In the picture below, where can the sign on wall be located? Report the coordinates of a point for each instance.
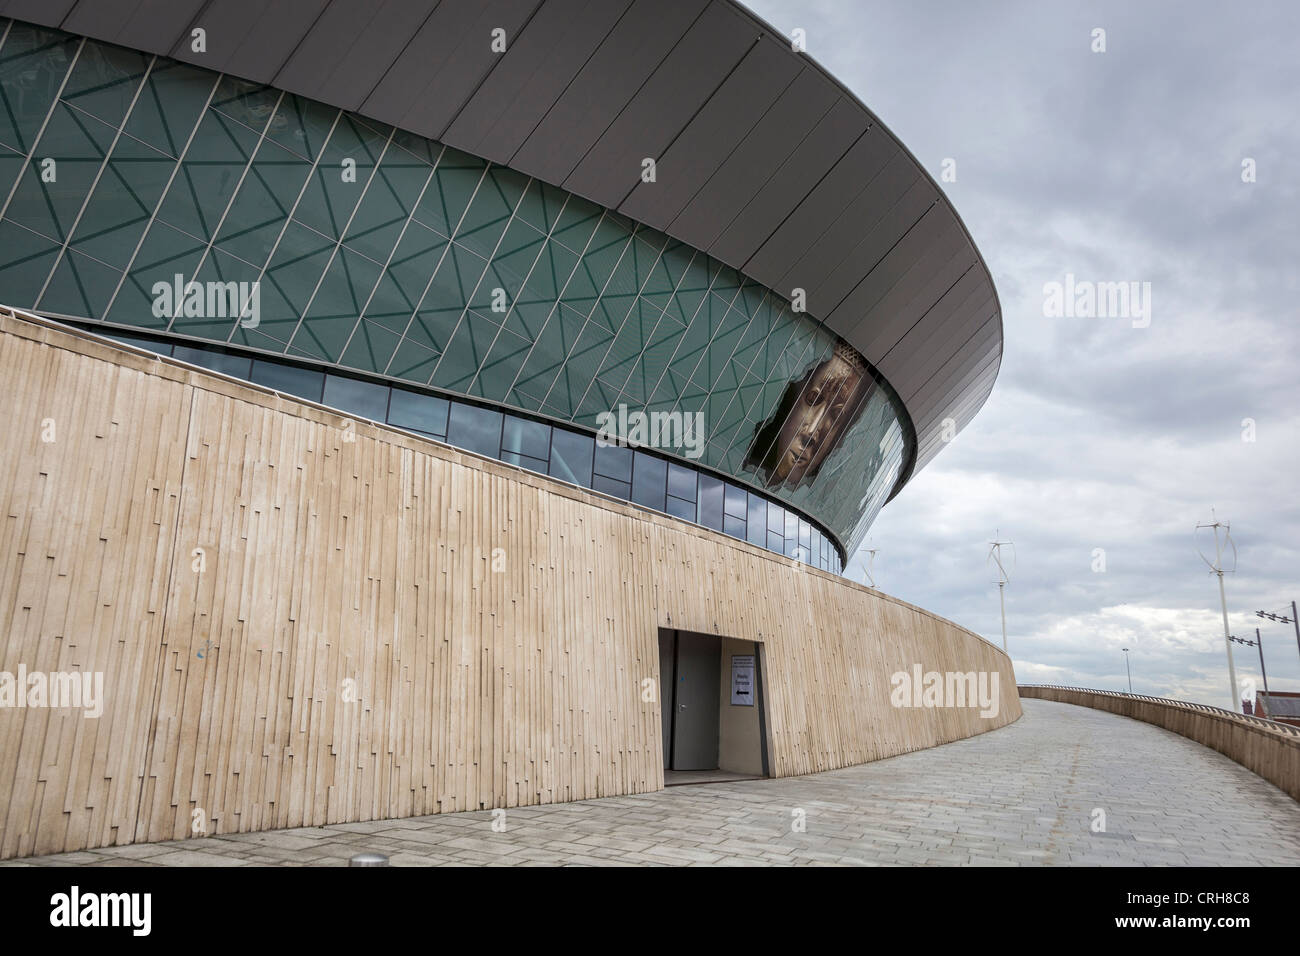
(742, 679)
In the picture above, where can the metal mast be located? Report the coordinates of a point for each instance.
(995, 555)
(1217, 567)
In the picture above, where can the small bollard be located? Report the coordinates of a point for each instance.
(368, 859)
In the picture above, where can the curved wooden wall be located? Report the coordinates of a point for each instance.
(1269, 748)
(396, 628)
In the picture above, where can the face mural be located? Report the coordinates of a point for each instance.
(814, 412)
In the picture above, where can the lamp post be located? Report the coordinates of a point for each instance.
(1258, 642)
(995, 555)
(1129, 670)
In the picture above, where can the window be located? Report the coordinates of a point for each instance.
(233, 365)
(710, 505)
(648, 481)
(360, 398)
(571, 456)
(776, 519)
(419, 413)
(682, 491)
(757, 521)
(524, 461)
(524, 436)
(525, 443)
(290, 379)
(612, 486)
(161, 348)
(681, 482)
(613, 471)
(679, 508)
(614, 462)
(736, 502)
(475, 429)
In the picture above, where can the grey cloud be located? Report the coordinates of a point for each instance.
(1117, 166)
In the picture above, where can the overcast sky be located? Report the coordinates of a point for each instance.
(1117, 166)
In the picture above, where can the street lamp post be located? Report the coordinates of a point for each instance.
(1258, 642)
(995, 555)
(1129, 670)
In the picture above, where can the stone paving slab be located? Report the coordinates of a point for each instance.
(1024, 795)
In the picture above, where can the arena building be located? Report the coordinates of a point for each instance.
(429, 406)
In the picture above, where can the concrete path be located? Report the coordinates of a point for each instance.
(1027, 793)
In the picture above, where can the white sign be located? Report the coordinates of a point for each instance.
(742, 679)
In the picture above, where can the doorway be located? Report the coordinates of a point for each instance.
(711, 708)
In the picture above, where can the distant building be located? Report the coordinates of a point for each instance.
(1282, 706)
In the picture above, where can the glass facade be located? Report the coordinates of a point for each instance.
(126, 176)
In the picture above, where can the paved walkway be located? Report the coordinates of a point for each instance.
(1025, 794)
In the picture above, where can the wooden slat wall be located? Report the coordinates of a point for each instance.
(371, 561)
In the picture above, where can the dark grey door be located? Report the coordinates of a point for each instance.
(667, 647)
(695, 719)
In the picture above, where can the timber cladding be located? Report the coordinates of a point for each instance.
(303, 621)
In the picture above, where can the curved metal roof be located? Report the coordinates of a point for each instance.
(763, 160)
